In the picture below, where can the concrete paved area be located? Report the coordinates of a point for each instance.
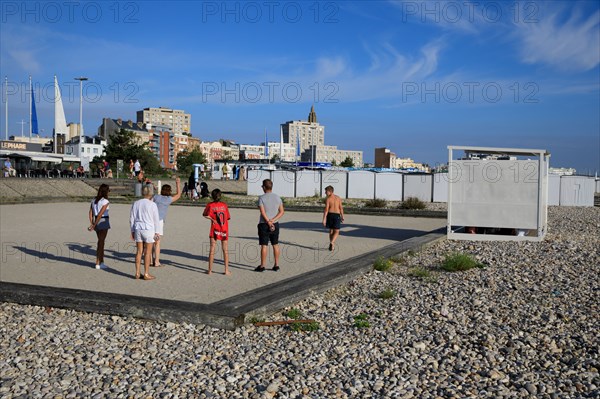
(49, 245)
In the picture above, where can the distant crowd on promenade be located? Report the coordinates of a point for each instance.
(148, 216)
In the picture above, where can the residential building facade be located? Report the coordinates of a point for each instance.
(310, 137)
(216, 151)
(384, 158)
(89, 148)
(177, 120)
(304, 133)
(331, 154)
(164, 143)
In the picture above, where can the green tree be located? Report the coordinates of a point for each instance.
(347, 163)
(186, 159)
(275, 158)
(124, 145)
(333, 162)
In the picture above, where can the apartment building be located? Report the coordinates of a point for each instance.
(384, 158)
(177, 120)
(217, 150)
(304, 133)
(163, 142)
(331, 154)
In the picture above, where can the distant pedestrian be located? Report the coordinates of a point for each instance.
(137, 168)
(225, 171)
(144, 223)
(333, 215)
(185, 190)
(163, 201)
(271, 210)
(99, 222)
(107, 169)
(131, 166)
(218, 213)
(192, 187)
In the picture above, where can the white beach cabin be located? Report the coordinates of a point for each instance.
(497, 194)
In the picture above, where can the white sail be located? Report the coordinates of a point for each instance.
(60, 122)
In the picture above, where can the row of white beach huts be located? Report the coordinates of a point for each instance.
(395, 186)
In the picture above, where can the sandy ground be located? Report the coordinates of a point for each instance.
(48, 244)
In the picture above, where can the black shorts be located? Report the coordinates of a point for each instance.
(265, 234)
(334, 221)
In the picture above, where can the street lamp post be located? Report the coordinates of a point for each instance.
(81, 79)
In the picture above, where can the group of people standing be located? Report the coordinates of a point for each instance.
(146, 219)
(148, 215)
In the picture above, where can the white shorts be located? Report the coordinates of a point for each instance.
(146, 236)
(161, 226)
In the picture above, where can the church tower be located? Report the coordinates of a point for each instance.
(312, 117)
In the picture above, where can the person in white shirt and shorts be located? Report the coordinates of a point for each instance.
(145, 225)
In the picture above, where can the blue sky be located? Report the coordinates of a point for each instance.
(411, 76)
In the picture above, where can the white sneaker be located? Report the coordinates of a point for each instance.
(98, 267)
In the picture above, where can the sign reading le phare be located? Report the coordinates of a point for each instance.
(20, 146)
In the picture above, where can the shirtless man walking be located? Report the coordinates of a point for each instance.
(333, 216)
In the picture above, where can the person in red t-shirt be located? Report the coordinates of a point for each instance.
(218, 213)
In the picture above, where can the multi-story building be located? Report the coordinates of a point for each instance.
(177, 120)
(384, 158)
(562, 171)
(72, 130)
(310, 137)
(89, 148)
(251, 151)
(160, 139)
(218, 150)
(276, 148)
(304, 133)
(408, 163)
(111, 126)
(331, 154)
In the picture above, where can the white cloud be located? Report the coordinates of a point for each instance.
(573, 45)
(27, 60)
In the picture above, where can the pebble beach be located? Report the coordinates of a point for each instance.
(524, 324)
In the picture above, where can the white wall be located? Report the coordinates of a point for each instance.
(440, 187)
(308, 183)
(284, 182)
(361, 184)
(492, 194)
(338, 179)
(255, 179)
(577, 191)
(388, 186)
(419, 186)
(554, 190)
